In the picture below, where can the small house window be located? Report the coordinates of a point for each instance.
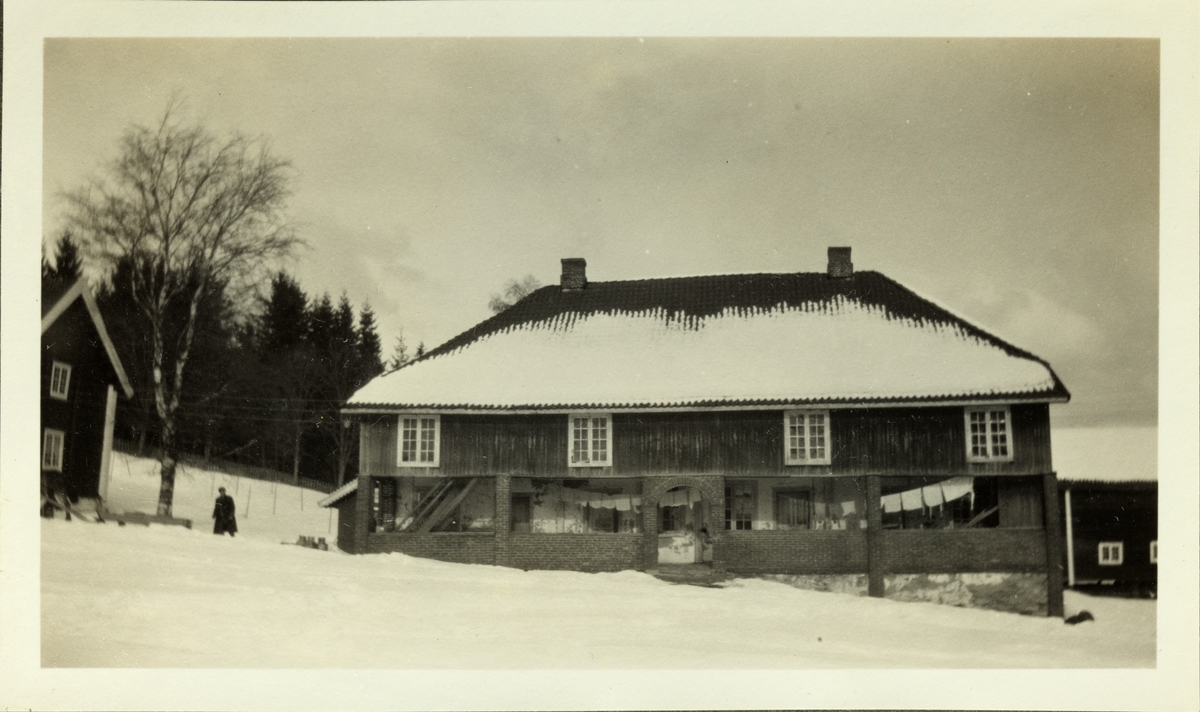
(1112, 553)
(60, 380)
(1154, 551)
(806, 437)
(591, 440)
(52, 449)
(739, 506)
(989, 437)
(419, 445)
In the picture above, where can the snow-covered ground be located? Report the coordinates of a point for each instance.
(265, 510)
(171, 597)
(164, 603)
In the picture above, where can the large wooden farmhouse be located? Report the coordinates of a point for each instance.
(81, 376)
(833, 427)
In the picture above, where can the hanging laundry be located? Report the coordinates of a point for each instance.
(848, 508)
(911, 499)
(890, 502)
(957, 487)
(932, 495)
(623, 504)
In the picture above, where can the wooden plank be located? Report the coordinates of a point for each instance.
(427, 503)
(448, 507)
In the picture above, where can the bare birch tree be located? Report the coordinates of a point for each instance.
(514, 291)
(191, 210)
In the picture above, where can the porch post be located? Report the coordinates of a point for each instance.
(649, 526)
(716, 524)
(362, 512)
(1054, 546)
(503, 517)
(875, 583)
(110, 417)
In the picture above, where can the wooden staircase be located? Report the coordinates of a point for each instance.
(438, 505)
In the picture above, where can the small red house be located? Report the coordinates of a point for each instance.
(1108, 496)
(81, 374)
(829, 427)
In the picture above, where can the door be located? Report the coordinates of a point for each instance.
(678, 516)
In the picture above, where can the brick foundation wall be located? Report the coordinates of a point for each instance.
(963, 551)
(791, 552)
(455, 547)
(575, 552)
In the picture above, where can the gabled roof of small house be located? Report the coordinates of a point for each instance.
(717, 341)
(57, 297)
(339, 494)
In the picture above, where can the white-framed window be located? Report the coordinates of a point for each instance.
(989, 434)
(590, 438)
(1111, 553)
(1154, 551)
(806, 437)
(419, 444)
(52, 449)
(60, 380)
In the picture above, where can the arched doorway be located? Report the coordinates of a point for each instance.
(683, 524)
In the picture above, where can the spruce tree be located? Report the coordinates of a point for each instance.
(370, 348)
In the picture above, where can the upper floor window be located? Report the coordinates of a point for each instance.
(52, 449)
(591, 440)
(1112, 553)
(419, 446)
(989, 434)
(807, 437)
(60, 380)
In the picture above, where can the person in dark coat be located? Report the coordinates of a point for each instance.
(224, 521)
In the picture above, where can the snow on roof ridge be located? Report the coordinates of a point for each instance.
(837, 305)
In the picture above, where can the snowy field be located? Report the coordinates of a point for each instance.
(168, 597)
(171, 597)
(265, 510)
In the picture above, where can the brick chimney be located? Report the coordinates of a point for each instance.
(840, 266)
(574, 274)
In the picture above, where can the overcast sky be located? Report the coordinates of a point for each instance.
(1013, 181)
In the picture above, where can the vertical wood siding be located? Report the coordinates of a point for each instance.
(525, 445)
(739, 442)
(919, 441)
(892, 441)
(73, 340)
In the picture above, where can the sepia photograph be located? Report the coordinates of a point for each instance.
(597, 369)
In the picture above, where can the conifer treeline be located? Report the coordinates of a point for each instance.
(266, 379)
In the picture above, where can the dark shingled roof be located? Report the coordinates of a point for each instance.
(682, 297)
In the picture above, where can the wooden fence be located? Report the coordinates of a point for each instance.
(233, 468)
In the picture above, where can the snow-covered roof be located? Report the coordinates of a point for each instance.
(338, 494)
(726, 340)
